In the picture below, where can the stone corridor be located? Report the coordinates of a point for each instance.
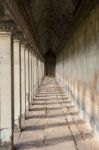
(49, 74)
(53, 122)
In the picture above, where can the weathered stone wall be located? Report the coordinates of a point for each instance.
(77, 67)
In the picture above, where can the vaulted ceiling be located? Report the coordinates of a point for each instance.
(51, 19)
(48, 20)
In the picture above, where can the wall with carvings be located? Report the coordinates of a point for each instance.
(77, 66)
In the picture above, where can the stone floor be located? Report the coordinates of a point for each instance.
(54, 124)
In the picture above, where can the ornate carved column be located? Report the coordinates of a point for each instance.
(6, 84)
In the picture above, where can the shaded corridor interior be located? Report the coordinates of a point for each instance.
(49, 74)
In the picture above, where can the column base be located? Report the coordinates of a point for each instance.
(17, 131)
(6, 146)
(18, 128)
(22, 119)
(5, 139)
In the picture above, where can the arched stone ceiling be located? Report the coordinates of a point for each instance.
(51, 19)
(47, 20)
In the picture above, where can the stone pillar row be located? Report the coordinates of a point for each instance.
(21, 72)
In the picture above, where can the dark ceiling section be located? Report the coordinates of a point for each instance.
(40, 15)
(51, 19)
(47, 20)
(1, 11)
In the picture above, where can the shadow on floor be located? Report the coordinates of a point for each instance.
(43, 108)
(51, 116)
(49, 142)
(42, 127)
(48, 103)
(49, 109)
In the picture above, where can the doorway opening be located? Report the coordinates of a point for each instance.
(50, 63)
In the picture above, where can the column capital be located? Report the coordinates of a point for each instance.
(18, 36)
(22, 43)
(32, 51)
(28, 46)
(7, 26)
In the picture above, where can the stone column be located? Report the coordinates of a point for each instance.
(31, 75)
(38, 72)
(6, 85)
(42, 69)
(17, 104)
(35, 74)
(30, 78)
(22, 83)
(26, 81)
